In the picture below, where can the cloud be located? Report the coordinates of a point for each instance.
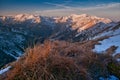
(58, 5)
(67, 8)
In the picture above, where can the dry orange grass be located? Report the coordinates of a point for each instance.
(60, 60)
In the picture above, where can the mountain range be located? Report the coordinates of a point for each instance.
(21, 31)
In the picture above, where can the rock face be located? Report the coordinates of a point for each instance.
(23, 30)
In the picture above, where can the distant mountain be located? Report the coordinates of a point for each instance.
(24, 30)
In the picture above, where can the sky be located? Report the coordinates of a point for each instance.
(102, 8)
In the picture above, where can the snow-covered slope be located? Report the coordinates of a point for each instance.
(107, 43)
(113, 39)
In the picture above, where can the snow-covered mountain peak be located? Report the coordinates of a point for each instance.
(19, 15)
(89, 17)
(84, 21)
(27, 16)
(23, 17)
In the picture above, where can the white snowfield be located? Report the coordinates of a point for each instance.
(114, 40)
(5, 70)
(107, 43)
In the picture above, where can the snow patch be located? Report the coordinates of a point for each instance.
(107, 43)
(5, 70)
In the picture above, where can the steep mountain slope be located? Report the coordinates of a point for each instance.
(24, 30)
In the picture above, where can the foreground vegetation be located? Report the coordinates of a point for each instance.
(61, 60)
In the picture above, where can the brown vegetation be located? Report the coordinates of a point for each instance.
(61, 60)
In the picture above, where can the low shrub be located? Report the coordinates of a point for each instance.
(60, 60)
